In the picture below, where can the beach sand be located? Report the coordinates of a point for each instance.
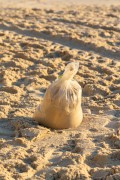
(37, 40)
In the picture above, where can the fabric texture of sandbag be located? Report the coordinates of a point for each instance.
(61, 106)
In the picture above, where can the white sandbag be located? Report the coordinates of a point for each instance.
(61, 106)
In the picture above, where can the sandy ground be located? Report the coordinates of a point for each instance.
(54, 4)
(35, 46)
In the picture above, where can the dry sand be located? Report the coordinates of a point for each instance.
(35, 45)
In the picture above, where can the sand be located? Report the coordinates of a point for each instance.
(35, 46)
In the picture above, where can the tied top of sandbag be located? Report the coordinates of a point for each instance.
(64, 93)
(70, 71)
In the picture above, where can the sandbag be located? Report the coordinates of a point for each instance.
(61, 106)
